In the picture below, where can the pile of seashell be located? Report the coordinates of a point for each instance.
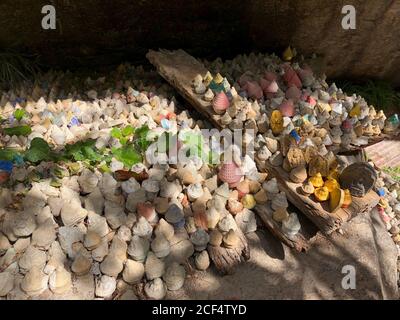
(116, 226)
(299, 120)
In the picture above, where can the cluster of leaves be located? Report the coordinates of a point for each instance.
(393, 172)
(18, 131)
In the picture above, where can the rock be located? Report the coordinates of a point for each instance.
(114, 214)
(88, 181)
(112, 266)
(72, 213)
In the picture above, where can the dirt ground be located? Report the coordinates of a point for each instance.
(276, 272)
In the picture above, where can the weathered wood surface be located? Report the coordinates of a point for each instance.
(298, 242)
(225, 260)
(179, 69)
(318, 212)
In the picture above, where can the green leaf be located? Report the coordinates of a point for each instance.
(19, 114)
(116, 133)
(7, 154)
(83, 150)
(38, 151)
(18, 131)
(141, 140)
(127, 155)
(128, 131)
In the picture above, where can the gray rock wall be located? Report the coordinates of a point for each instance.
(96, 32)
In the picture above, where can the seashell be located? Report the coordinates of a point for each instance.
(209, 95)
(271, 186)
(81, 265)
(321, 194)
(130, 185)
(261, 196)
(44, 235)
(248, 201)
(4, 244)
(161, 205)
(124, 232)
(188, 175)
(264, 154)
(276, 121)
(112, 265)
(138, 248)
(72, 213)
(317, 180)
(347, 199)
(165, 229)
(291, 226)
(336, 199)
(194, 191)
(230, 173)
(88, 181)
(231, 240)
(246, 221)
(293, 94)
(279, 201)
(146, 210)
(160, 246)
(298, 174)
(114, 214)
(60, 281)
(174, 276)
(58, 135)
(156, 289)
(6, 283)
(199, 221)
(133, 272)
(243, 188)
(142, 228)
(276, 159)
(174, 214)
(92, 240)
(253, 89)
(200, 88)
(234, 206)
(291, 78)
(154, 267)
(34, 282)
(105, 286)
(23, 224)
(227, 223)
(307, 188)
(151, 185)
(32, 258)
(134, 198)
(280, 214)
(200, 239)
(220, 103)
(202, 260)
(213, 216)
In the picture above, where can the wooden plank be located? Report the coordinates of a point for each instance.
(225, 260)
(318, 212)
(179, 69)
(298, 242)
